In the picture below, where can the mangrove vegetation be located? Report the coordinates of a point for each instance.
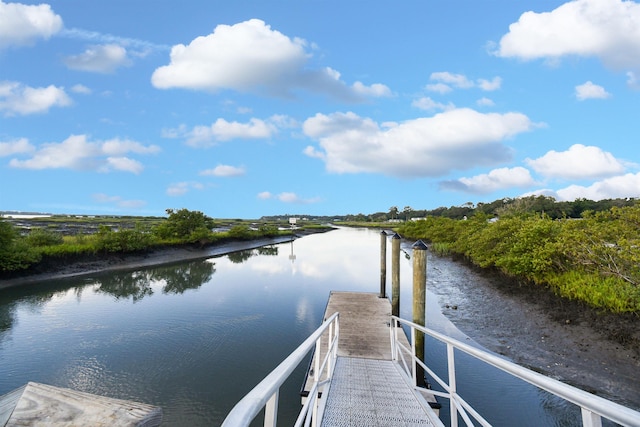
(594, 259)
(61, 239)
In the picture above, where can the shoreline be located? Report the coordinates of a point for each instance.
(123, 262)
(596, 351)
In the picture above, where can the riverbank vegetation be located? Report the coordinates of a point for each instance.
(594, 259)
(63, 239)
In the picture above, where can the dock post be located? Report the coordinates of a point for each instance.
(395, 275)
(383, 264)
(419, 303)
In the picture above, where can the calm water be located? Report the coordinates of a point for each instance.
(195, 337)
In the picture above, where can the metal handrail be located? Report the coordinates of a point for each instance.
(592, 407)
(265, 394)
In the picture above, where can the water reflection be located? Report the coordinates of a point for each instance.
(194, 337)
(175, 279)
(241, 256)
(135, 285)
(188, 276)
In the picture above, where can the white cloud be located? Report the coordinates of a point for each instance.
(485, 102)
(77, 153)
(376, 90)
(589, 90)
(124, 164)
(99, 59)
(224, 170)
(251, 57)
(440, 88)
(431, 146)
(606, 29)
(182, 188)
(18, 99)
(142, 47)
(456, 80)
(446, 81)
(428, 104)
(497, 179)
(222, 130)
(81, 89)
(118, 201)
(22, 25)
(611, 188)
(578, 162)
(18, 146)
(490, 85)
(287, 197)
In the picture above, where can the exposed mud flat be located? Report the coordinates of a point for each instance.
(566, 340)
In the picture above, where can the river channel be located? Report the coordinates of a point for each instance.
(194, 337)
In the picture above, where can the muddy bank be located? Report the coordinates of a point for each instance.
(116, 262)
(566, 340)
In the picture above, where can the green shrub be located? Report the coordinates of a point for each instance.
(108, 240)
(240, 231)
(43, 237)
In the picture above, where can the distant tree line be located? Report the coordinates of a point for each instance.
(552, 208)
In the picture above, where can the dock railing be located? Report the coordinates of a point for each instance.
(593, 408)
(265, 394)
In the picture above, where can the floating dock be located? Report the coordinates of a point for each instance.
(43, 405)
(367, 388)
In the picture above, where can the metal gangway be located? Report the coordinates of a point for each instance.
(332, 373)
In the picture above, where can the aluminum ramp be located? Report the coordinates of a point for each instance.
(371, 392)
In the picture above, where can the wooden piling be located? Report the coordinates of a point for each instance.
(395, 275)
(383, 264)
(419, 302)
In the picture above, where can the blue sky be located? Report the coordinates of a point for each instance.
(249, 108)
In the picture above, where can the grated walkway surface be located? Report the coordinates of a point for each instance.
(369, 393)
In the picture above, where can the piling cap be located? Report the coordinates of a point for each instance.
(396, 236)
(419, 245)
(383, 232)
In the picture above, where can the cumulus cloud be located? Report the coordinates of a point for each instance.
(497, 179)
(124, 164)
(430, 146)
(22, 25)
(182, 188)
(578, 162)
(78, 153)
(485, 102)
(18, 99)
(287, 197)
(376, 90)
(490, 85)
(251, 57)
(621, 186)
(118, 201)
(103, 59)
(18, 146)
(222, 130)
(224, 171)
(606, 29)
(81, 89)
(589, 90)
(428, 104)
(445, 82)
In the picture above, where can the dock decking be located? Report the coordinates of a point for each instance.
(367, 388)
(43, 405)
